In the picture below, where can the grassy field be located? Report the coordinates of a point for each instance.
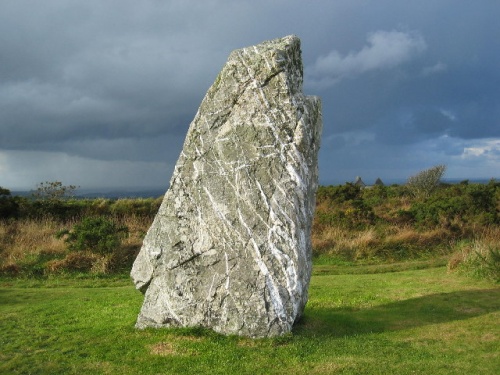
(359, 320)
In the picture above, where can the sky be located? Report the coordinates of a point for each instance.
(100, 93)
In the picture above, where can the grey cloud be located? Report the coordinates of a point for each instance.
(434, 69)
(143, 149)
(91, 71)
(34, 114)
(26, 169)
(97, 83)
(385, 50)
(409, 125)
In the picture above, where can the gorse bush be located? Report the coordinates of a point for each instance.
(340, 193)
(343, 206)
(459, 206)
(94, 234)
(74, 209)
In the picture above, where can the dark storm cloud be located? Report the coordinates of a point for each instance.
(83, 72)
(438, 104)
(403, 84)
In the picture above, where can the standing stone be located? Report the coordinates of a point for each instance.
(230, 246)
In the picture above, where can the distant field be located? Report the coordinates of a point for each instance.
(359, 320)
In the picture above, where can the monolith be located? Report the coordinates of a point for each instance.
(230, 248)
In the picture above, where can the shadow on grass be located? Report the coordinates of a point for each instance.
(10, 297)
(406, 314)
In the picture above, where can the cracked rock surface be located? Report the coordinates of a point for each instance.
(229, 248)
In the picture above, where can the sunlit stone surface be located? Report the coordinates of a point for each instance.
(230, 246)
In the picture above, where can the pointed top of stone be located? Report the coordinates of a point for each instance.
(269, 58)
(274, 44)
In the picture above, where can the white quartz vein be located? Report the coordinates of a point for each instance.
(270, 283)
(227, 271)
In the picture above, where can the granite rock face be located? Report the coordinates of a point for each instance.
(230, 246)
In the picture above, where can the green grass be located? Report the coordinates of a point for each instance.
(337, 266)
(415, 321)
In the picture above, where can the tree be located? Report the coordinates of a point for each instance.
(53, 190)
(423, 183)
(8, 205)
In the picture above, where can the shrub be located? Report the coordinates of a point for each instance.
(343, 206)
(145, 207)
(458, 206)
(61, 210)
(95, 234)
(339, 194)
(376, 195)
(425, 182)
(9, 207)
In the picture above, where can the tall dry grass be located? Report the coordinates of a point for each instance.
(28, 244)
(479, 257)
(23, 238)
(392, 243)
(343, 242)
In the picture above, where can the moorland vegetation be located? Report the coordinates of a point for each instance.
(457, 223)
(425, 219)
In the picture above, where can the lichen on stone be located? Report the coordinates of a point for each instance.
(230, 247)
